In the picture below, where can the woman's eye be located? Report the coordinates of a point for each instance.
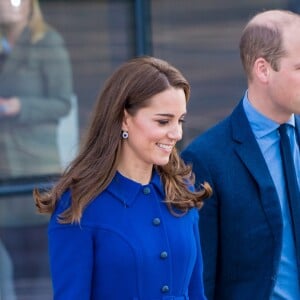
(163, 122)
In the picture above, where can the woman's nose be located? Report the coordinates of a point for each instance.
(176, 133)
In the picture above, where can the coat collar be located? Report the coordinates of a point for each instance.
(126, 190)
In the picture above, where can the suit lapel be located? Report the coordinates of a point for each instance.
(247, 148)
(297, 120)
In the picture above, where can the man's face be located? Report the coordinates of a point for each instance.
(285, 83)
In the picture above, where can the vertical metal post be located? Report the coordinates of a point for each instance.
(142, 27)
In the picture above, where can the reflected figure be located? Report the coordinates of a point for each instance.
(35, 90)
(35, 93)
(6, 275)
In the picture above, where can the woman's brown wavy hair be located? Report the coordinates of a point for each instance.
(130, 88)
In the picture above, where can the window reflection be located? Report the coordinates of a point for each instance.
(7, 290)
(35, 90)
(35, 100)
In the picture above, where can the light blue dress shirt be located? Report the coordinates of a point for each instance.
(267, 136)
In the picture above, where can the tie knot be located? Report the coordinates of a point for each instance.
(283, 128)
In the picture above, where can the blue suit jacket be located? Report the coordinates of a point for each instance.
(241, 225)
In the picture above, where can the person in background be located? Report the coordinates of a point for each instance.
(35, 90)
(248, 229)
(124, 219)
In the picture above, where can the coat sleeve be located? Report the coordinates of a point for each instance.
(56, 74)
(71, 260)
(208, 224)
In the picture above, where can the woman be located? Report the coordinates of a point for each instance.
(124, 215)
(35, 90)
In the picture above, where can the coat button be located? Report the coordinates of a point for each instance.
(165, 289)
(164, 254)
(146, 190)
(156, 221)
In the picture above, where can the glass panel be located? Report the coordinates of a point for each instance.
(50, 75)
(202, 39)
(35, 90)
(56, 78)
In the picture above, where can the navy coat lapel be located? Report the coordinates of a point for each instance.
(247, 148)
(297, 120)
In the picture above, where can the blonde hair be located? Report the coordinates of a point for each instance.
(36, 23)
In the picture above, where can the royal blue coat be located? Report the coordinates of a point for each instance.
(128, 246)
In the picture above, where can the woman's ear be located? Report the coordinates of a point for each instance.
(125, 120)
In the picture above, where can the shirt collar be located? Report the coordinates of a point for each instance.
(260, 124)
(127, 190)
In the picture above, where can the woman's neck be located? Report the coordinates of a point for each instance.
(140, 175)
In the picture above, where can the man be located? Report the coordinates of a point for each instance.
(248, 232)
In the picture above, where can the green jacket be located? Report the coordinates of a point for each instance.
(40, 75)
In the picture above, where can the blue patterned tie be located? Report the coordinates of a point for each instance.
(292, 187)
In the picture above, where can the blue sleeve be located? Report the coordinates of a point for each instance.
(209, 221)
(196, 288)
(71, 259)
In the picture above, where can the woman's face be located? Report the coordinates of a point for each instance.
(154, 130)
(14, 11)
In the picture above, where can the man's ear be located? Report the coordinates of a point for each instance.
(125, 120)
(261, 70)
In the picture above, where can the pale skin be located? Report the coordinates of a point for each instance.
(153, 132)
(276, 94)
(15, 19)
